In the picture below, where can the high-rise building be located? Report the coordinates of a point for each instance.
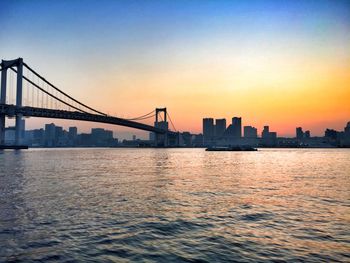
(72, 132)
(299, 133)
(50, 135)
(220, 127)
(269, 138)
(330, 133)
(347, 129)
(307, 134)
(250, 132)
(208, 130)
(59, 132)
(237, 127)
(265, 134)
(101, 136)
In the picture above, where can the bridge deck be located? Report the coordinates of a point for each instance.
(12, 110)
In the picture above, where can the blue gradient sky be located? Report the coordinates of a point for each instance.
(267, 61)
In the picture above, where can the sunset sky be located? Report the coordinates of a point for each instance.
(278, 63)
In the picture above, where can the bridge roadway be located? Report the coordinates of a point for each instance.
(12, 110)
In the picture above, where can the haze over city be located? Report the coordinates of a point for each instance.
(279, 63)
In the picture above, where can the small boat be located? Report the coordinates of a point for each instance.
(231, 149)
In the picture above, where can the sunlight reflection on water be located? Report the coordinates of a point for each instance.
(174, 205)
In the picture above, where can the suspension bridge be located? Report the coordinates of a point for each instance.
(25, 93)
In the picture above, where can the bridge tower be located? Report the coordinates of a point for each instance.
(5, 65)
(161, 139)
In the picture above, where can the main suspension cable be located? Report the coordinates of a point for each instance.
(82, 104)
(31, 82)
(172, 124)
(140, 117)
(145, 118)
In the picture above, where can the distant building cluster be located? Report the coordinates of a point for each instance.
(339, 138)
(215, 133)
(56, 136)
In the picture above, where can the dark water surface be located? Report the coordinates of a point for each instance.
(168, 205)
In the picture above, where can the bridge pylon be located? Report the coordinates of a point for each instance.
(161, 139)
(5, 65)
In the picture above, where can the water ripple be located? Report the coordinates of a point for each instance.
(178, 205)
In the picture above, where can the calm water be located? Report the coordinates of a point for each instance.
(167, 205)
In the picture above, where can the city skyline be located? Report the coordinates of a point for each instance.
(214, 132)
(128, 133)
(283, 64)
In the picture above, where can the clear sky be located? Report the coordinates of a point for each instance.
(278, 63)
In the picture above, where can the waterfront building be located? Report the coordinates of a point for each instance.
(250, 132)
(101, 137)
(38, 138)
(186, 139)
(307, 134)
(265, 132)
(198, 140)
(237, 127)
(331, 134)
(220, 127)
(50, 135)
(72, 132)
(268, 138)
(299, 133)
(208, 131)
(347, 130)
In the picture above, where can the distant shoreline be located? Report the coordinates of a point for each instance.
(184, 147)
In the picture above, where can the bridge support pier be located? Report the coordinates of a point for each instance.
(19, 123)
(5, 65)
(161, 140)
(2, 129)
(3, 101)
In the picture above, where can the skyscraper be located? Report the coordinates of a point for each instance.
(265, 133)
(237, 127)
(299, 133)
(50, 135)
(220, 127)
(269, 138)
(208, 130)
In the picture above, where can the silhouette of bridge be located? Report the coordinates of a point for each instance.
(40, 98)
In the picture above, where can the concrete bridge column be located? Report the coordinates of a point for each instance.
(166, 140)
(3, 101)
(19, 123)
(161, 140)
